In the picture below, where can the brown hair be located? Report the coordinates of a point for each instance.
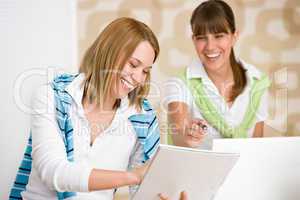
(216, 16)
(108, 55)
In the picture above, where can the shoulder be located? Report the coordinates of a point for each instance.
(253, 73)
(251, 70)
(176, 90)
(146, 105)
(42, 98)
(62, 80)
(43, 91)
(174, 81)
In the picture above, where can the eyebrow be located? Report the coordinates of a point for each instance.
(140, 62)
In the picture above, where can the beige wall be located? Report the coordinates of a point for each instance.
(269, 39)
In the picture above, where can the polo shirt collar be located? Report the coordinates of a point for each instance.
(196, 70)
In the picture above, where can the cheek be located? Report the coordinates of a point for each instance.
(227, 45)
(126, 69)
(199, 47)
(143, 80)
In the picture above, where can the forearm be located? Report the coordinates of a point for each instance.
(78, 177)
(259, 129)
(178, 128)
(183, 140)
(179, 120)
(107, 179)
(180, 136)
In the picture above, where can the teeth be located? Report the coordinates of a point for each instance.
(127, 83)
(214, 55)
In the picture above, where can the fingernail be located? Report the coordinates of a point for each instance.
(161, 195)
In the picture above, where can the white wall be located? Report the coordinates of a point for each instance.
(34, 34)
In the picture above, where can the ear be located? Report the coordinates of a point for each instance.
(236, 35)
(194, 39)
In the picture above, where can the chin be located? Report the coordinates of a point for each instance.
(213, 66)
(210, 66)
(122, 94)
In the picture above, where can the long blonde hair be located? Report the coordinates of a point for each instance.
(108, 55)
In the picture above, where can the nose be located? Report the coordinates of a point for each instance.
(210, 43)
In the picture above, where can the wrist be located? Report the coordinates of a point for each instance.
(133, 178)
(191, 142)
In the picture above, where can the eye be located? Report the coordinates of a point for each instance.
(219, 35)
(132, 65)
(200, 37)
(146, 71)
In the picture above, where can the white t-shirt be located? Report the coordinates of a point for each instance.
(114, 149)
(177, 91)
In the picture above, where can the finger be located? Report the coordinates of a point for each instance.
(194, 127)
(200, 121)
(195, 135)
(163, 197)
(196, 132)
(183, 196)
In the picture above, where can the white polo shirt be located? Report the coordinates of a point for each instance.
(177, 90)
(113, 149)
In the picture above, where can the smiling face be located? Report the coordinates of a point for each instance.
(214, 49)
(136, 70)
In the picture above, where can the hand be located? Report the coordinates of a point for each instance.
(139, 172)
(183, 196)
(196, 131)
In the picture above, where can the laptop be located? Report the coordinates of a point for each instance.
(268, 169)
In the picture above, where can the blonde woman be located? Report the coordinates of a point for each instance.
(89, 129)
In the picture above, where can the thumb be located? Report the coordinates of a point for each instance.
(163, 197)
(183, 195)
(200, 122)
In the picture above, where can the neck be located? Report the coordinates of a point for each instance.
(223, 75)
(107, 105)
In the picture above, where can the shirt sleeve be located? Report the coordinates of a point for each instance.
(175, 90)
(48, 149)
(135, 160)
(262, 113)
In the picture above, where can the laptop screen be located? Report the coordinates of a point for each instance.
(268, 169)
